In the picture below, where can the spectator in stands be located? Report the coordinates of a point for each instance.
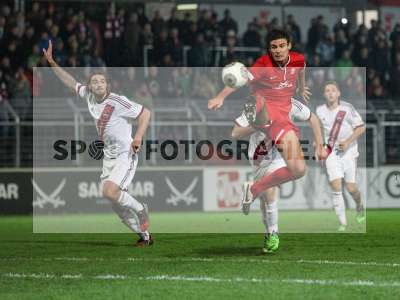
(162, 46)
(173, 21)
(326, 50)
(132, 55)
(343, 66)
(4, 129)
(21, 95)
(59, 52)
(227, 24)
(141, 16)
(203, 86)
(312, 36)
(175, 47)
(375, 90)
(295, 30)
(34, 57)
(364, 58)
(147, 36)
(96, 60)
(395, 41)
(211, 29)
(395, 75)
(380, 57)
(185, 25)
(112, 38)
(341, 44)
(199, 55)
(28, 41)
(157, 23)
(153, 81)
(354, 85)
(251, 37)
(184, 81)
(190, 36)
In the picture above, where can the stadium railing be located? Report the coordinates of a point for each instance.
(72, 121)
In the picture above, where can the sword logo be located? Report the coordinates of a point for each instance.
(185, 196)
(53, 198)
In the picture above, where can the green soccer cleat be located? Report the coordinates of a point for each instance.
(342, 228)
(360, 214)
(271, 243)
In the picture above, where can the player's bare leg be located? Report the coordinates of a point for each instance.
(356, 195)
(291, 151)
(338, 202)
(122, 201)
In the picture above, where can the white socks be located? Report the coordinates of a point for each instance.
(270, 216)
(338, 205)
(127, 201)
(128, 217)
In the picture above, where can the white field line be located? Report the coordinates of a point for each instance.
(205, 259)
(300, 281)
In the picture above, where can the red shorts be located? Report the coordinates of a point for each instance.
(280, 122)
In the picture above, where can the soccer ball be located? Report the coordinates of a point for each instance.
(235, 75)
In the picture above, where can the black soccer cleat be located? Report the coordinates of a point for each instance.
(144, 243)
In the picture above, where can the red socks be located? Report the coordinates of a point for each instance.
(277, 177)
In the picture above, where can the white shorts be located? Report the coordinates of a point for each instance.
(120, 170)
(341, 167)
(265, 169)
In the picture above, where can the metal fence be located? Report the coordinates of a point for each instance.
(27, 143)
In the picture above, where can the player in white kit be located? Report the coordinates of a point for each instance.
(265, 158)
(111, 113)
(342, 126)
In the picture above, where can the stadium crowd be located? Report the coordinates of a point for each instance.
(87, 35)
(117, 37)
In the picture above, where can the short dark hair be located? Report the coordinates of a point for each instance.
(277, 34)
(330, 82)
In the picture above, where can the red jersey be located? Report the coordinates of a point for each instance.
(274, 82)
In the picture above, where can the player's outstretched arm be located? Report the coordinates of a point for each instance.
(64, 76)
(315, 124)
(241, 132)
(218, 101)
(143, 123)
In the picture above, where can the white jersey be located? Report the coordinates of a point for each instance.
(261, 152)
(111, 117)
(352, 119)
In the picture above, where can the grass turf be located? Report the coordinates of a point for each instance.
(201, 266)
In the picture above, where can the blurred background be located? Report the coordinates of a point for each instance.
(169, 56)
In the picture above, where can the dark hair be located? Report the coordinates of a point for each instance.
(102, 74)
(93, 73)
(330, 82)
(277, 34)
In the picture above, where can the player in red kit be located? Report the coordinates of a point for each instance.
(274, 80)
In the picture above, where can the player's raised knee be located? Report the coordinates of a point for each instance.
(299, 170)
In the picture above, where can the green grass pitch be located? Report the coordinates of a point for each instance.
(201, 266)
